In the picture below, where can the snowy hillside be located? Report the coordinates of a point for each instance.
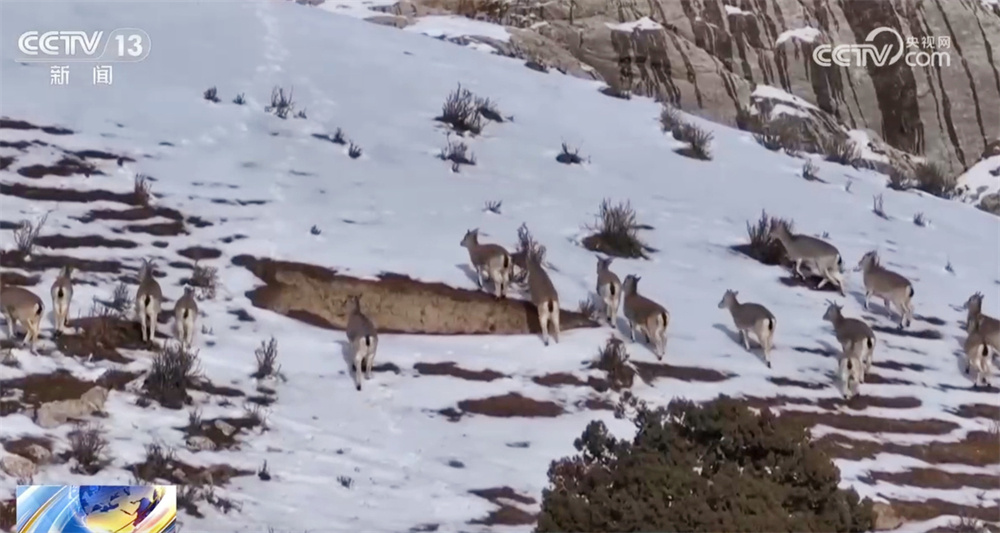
(454, 432)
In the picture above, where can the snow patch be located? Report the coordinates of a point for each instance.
(806, 34)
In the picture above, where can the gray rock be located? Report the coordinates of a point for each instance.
(199, 443)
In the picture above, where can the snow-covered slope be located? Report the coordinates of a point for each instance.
(398, 208)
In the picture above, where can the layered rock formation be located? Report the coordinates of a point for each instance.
(706, 56)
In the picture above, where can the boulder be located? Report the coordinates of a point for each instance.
(886, 518)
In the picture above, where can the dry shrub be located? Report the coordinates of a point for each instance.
(670, 118)
(142, 189)
(931, 178)
(762, 247)
(461, 112)
(569, 156)
(843, 151)
(527, 249)
(699, 141)
(779, 135)
(174, 370)
(877, 206)
(27, 232)
(616, 232)
(281, 105)
(458, 153)
(205, 280)
(589, 307)
(86, 446)
(267, 356)
(211, 94)
(810, 171)
(613, 358)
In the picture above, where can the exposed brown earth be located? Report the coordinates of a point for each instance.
(507, 514)
(870, 424)
(927, 509)
(22, 445)
(198, 253)
(978, 410)
(101, 338)
(451, 369)
(932, 478)
(40, 262)
(10, 124)
(159, 229)
(50, 194)
(63, 168)
(86, 241)
(8, 514)
(978, 448)
(653, 371)
(397, 303)
(864, 401)
(6, 161)
(132, 215)
(507, 406)
(559, 379)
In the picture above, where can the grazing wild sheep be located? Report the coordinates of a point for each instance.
(751, 317)
(893, 288)
(857, 343)
(491, 261)
(363, 336)
(186, 317)
(62, 294)
(645, 315)
(22, 306)
(818, 255)
(609, 288)
(544, 296)
(148, 300)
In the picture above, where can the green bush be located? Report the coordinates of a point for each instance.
(707, 467)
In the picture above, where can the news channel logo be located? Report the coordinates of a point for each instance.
(96, 509)
(121, 45)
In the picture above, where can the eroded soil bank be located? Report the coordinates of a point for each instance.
(395, 302)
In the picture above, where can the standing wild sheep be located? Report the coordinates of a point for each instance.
(62, 294)
(977, 358)
(987, 326)
(21, 306)
(491, 261)
(544, 296)
(363, 336)
(819, 256)
(186, 317)
(644, 314)
(751, 317)
(148, 299)
(893, 288)
(609, 288)
(857, 343)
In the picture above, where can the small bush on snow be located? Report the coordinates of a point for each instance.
(458, 153)
(762, 247)
(699, 141)
(616, 232)
(211, 94)
(86, 446)
(569, 156)
(27, 232)
(174, 370)
(281, 105)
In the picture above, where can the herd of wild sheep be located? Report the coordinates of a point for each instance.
(856, 338)
(494, 263)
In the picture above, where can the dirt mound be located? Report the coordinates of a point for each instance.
(16, 278)
(51, 194)
(36, 389)
(197, 253)
(63, 168)
(396, 303)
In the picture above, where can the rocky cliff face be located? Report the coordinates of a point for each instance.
(706, 56)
